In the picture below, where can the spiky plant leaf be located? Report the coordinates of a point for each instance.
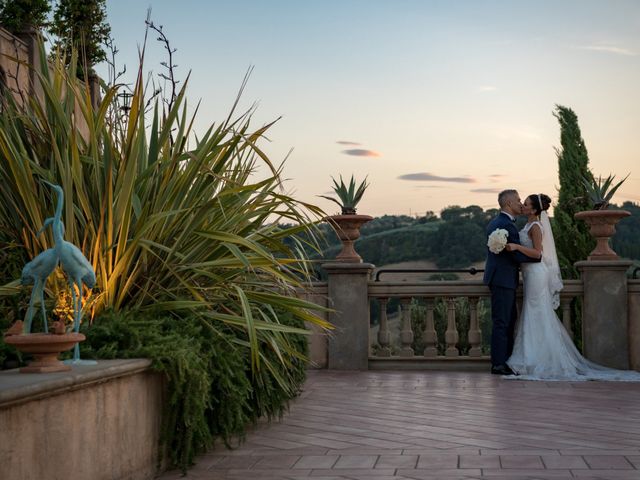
(600, 192)
(348, 196)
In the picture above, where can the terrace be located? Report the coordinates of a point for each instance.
(440, 425)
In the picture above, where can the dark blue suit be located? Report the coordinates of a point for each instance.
(501, 275)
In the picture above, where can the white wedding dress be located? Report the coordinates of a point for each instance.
(543, 349)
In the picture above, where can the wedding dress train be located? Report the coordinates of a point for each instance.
(543, 349)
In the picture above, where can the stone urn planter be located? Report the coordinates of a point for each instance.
(45, 348)
(602, 226)
(347, 227)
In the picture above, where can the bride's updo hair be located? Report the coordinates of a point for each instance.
(536, 199)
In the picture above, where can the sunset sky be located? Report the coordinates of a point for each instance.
(438, 102)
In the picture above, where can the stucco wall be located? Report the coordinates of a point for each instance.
(22, 82)
(14, 74)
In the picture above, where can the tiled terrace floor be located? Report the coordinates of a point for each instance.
(440, 425)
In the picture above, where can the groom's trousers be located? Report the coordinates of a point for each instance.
(504, 314)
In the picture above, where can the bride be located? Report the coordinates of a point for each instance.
(543, 350)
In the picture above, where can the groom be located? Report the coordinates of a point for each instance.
(501, 275)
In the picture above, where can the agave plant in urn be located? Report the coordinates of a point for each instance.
(602, 221)
(347, 224)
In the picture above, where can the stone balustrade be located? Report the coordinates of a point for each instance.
(453, 319)
(462, 318)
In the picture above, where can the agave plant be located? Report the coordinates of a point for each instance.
(600, 192)
(348, 197)
(171, 222)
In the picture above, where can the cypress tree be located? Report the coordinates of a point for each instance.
(573, 240)
(82, 24)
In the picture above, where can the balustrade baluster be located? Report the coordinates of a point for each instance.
(566, 314)
(406, 335)
(429, 335)
(451, 335)
(383, 333)
(475, 335)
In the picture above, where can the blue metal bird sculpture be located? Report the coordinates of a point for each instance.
(78, 269)
(36, 273)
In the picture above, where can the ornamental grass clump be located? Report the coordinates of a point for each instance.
(178, 228)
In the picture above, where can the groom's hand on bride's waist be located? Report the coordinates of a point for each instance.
(519, 252)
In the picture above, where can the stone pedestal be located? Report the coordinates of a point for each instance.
(348, 345)
(605, 325)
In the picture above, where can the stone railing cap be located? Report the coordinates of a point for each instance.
(344, 267)
(607, 264)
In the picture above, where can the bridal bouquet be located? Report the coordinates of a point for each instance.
(497, 240)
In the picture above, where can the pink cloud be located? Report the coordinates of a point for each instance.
(429, 177)
(361, 152)
(485, 190)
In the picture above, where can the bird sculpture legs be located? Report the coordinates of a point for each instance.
(29, 317)
(77, 315)
(42, 309)
(37, 292)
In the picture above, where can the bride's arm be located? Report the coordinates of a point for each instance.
(535, 233)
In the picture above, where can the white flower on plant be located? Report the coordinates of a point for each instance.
(497, 240)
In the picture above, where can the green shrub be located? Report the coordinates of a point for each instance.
(212, 392)
(12, 307)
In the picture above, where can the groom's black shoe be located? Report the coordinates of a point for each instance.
(501, 370)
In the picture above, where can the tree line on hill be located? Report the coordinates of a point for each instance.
(454, 239)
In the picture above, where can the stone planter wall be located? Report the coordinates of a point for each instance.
(95, 422)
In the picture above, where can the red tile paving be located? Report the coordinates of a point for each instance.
(440, 425)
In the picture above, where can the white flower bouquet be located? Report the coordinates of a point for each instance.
(497, 240)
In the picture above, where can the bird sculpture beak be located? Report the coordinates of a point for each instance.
(57, 188)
